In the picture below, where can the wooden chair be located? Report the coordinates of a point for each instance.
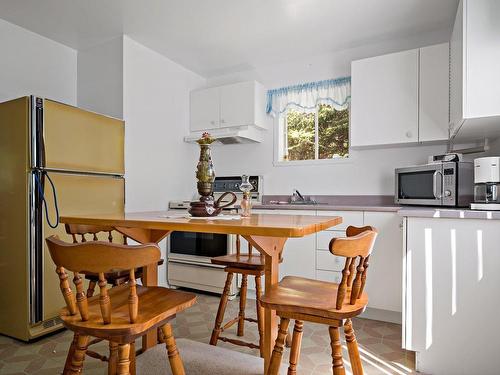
(244, 264)
(121, 314)
(114, 278)
(309, 300)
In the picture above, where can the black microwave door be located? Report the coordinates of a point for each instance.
(418, 186)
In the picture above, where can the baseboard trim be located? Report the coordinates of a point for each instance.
(382, 315)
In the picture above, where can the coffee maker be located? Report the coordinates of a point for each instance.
(486, 184)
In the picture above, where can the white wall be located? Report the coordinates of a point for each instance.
(367, 172)
(159, 165)
(33, 64)
(100, 78)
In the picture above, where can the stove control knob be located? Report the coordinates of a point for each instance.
(447, 193)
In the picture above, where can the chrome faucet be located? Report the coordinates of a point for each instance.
(296, 194)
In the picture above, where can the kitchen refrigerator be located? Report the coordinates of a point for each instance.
(80, 153)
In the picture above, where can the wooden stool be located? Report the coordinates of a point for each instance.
(114, 278)
(116, 314)
(309, 300)
(244, 264)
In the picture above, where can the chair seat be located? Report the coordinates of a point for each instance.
(156, 306)
(246, 261)
(310, 297)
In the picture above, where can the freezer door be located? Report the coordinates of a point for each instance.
(76, 195)
(78, 140)
(14, 218)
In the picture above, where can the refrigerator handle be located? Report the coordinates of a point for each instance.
(37, 138)
(44, 202)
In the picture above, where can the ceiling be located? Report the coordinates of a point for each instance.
(212, 37)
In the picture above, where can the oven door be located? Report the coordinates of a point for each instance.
(196, 248)
(421, 185)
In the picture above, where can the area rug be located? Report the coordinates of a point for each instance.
(200, 359)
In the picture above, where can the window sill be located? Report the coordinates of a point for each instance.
(291, 163)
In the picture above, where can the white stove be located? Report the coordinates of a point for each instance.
(189, 254)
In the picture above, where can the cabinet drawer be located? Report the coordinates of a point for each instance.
(323, 238)
(348, 218)
(332, 277)
(326, 261)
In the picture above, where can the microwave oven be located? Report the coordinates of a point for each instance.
(448, 184)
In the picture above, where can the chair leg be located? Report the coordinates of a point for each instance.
(113, 358)
(123, 359)
(132, 358)
(274, 365)
(288, 340)
(78, 355)
(260, 314)
(338, 363)
(69, 357)
(295, 351)
(173, 354)
(91, 288)
(222, 309)
(352, 348)
(243, 302)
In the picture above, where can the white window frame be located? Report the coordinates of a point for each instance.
(281, 133)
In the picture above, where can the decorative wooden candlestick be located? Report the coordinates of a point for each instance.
(205, 175)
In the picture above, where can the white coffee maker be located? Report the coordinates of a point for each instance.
(486, 184)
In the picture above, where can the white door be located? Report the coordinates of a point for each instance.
(384, 107)
(204, 109)
(451, 287)
(237, 104)
(434, 93)
(384, 279)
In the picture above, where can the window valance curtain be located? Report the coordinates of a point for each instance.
(306, 96)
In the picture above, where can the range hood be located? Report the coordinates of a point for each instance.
(232, 135)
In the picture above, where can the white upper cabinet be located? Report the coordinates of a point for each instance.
(433, 93)
(475, 73)
(204, 109)
(401, 97)
(235, 105)
(384, 104)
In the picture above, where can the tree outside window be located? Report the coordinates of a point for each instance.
(322, 134)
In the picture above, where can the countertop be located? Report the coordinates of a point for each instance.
(374, 203)
(327, 207)
(381, 203)
(448, 213)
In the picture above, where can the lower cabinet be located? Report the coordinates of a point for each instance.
(310, 257)
(451, 289)
(385, 273)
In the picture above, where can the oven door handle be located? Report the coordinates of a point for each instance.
(198, 264)
(437, 193)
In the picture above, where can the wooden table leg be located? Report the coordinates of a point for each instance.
(271, 248)
(150, 278)
(150, 272)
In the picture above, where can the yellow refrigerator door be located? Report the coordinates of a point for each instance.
(82, 141)
(14, 234)
(76, 195)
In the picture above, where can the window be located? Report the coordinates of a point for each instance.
(314, 135)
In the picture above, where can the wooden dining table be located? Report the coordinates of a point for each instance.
(267, 233)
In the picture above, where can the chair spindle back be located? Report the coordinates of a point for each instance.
(357, 245)
(98, 257)
(93, 230)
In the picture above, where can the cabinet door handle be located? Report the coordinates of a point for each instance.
(212, 122)
(223, 121)
(408, 134)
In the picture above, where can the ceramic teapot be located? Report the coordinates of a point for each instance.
(204, 208)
